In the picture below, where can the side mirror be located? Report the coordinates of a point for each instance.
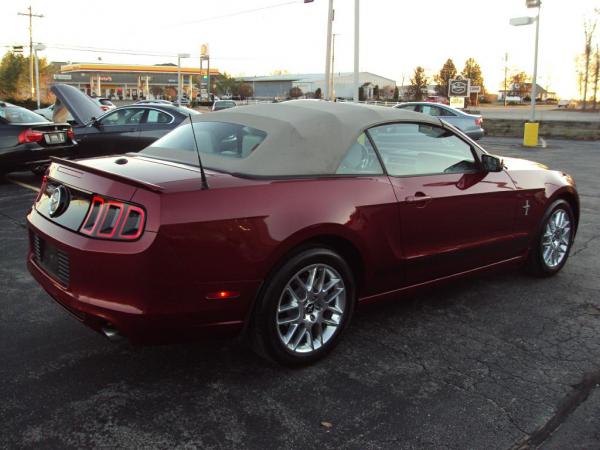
(491, 163)
(96, 123)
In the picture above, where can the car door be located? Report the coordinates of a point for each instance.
(156, 124)
(454, 217)
(115, 132)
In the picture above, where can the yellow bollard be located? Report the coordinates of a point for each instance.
(530, 136)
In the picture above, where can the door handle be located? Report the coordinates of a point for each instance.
(420, 199)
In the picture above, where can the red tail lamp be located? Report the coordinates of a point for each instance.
(27, 136)
(222, 295)
(115, 220)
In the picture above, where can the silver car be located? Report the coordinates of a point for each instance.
(470, 124)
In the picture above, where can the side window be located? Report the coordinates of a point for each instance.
(408, 107)
(410, 149)
(431, 110)
(360, 159)
(446, 113)
(156, 116)
(124, 117)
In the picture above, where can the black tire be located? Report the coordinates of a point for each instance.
(266, 339)
(536, 264)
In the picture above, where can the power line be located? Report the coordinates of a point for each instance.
(233, 14)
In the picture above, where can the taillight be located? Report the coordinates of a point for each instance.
(70, 134)
(111, 219)
(27, 136)
(479, 121)
(104, 108)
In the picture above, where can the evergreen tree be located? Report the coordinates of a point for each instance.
(418, 83)
(442, 79)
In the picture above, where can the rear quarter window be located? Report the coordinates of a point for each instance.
(228, 140)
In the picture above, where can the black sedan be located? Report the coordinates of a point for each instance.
(27, 140)
(125, 129)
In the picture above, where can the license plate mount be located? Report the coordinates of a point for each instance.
(55, 138)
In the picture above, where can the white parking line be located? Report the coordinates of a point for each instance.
(25, 185)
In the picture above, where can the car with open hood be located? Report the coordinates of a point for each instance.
(273, 221)
(127, 128)
(27, 140)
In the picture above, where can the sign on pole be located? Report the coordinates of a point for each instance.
(459, 87)
(475, 89)
(457, 102)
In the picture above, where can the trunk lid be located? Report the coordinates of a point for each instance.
(133, 179)
(80, 106)
(156, 175)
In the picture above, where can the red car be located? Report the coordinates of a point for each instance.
(298, 212)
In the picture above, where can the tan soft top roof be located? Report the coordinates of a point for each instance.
(304, 137)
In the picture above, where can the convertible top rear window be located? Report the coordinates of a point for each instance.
(227, 140)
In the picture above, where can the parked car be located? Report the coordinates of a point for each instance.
(218, 105)
(298, 212)
(470, 124)
(154, 102)
(27, 139)
(567, 104)
(105, 103)
(48, 112)
(125, 129)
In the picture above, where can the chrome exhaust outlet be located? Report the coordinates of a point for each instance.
(111, 333)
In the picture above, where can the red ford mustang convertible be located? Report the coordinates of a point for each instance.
(276, 220)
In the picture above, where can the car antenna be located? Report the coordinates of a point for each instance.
(202, 174)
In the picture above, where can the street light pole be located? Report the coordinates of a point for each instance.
(179, 56)
(37, 47)
(535, 64)
(356, 47)
(505, 76)
(178, 79)
(328, 49)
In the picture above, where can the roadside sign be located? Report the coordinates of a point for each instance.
(457, 102)
(475, 89)
(459, 87)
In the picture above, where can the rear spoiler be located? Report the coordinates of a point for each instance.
(113, 176)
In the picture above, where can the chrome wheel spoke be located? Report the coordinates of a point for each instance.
(299, 338)
(290, 333)
(287, 320)
(330, 322)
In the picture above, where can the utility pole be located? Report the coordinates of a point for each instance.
(333, 67)
(328, 50)
(535, 61)
(505, 77)
(356, 47)
(31, 16)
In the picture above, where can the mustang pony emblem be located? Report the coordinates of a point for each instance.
(58, 201)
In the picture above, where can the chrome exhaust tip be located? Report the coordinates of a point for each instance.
(111, 333)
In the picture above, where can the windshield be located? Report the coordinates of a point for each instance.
(227, 140)
(187, 111)
(16, 114)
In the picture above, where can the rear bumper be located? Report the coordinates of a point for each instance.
(475, 134)
(30, 155)
(119, 284)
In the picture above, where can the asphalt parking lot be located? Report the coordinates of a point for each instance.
(500, 361)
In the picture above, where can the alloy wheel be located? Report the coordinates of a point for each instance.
(556, 238)
(311, 308)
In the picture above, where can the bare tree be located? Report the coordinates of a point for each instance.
(589, 28)
(596, 73)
